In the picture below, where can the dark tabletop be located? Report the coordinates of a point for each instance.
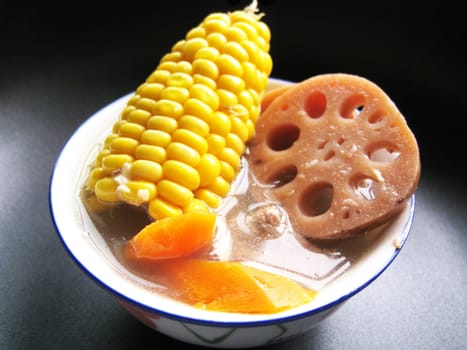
(58, 68)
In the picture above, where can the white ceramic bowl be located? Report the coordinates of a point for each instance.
(180, 321)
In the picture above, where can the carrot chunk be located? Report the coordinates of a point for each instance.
(233, 287)
(172, 237)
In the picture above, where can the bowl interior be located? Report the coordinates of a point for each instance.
(86, 246)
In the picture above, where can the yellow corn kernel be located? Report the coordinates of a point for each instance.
(178, 46)
(206, 68)
(220, 186)
(237, 51)
(124, 145)
(239, 128)
(183, 153)
(179, 140)
(174, 56)
(229, 65)
(196, 205)
(137, 192)
(220, 124)
(106, 190)
(240, 112)
(263, 30)
(115, 162)
(267, 64)
(199, 109)
(208, 196)
(95, 175)
(146, 104)
(216, 25)
(174, 193)
(167, 66)
(191, 139)
(252, 50)
(108, 140)
(201, 79)
(138, 116)
(175, 93)
(227, 171)
(254, 114)
(132, 130)
(180, 79)
(117, 126)
(226, 98)
(148, 170)
(256, 97)
(129, 108)
(250, 124)
(208, 168)
(150, 90)
(192, 46)
(230, 156)
(181, 173)
(100, 156)
(235, 34)
(251, 76)
(231, 83)
(205, 94)
(162, 123)
(133, 99)
(156, 137)
(216, 144)
(159, 76)
(168, 108)
(160, 208)
(233, 141)
(262, 43)
(217, 15)
(246, 99)
(242, 16)
(194, 124)
(248, 29)
(207, 53)
(196, 32)
(216, 40)
(183, 67)
(155, 153)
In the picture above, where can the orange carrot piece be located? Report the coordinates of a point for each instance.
(233, 287)
(172, 237)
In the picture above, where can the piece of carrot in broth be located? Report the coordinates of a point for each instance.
(233, 287)
(172, 237)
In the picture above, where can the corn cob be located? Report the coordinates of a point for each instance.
(179, 140)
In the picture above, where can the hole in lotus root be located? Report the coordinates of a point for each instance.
(315, 104)
(376, 117)
(352, 106)
(322, 144)
(382, 152)
(329, 155)
(282, 137)
(363, 186)
(316, 199)
(283, 176)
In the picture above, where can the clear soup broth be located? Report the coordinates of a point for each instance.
(255, 233)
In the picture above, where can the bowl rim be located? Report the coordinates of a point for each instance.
(246, 321)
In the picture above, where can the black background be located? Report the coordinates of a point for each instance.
(60, 63)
